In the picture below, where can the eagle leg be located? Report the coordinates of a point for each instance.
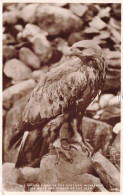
(76, 124)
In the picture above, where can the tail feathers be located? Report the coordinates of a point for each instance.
(23, 142)
(16, 139)
(30, 151)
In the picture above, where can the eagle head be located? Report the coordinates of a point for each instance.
(88, 50)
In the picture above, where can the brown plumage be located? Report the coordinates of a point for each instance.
(63, 94)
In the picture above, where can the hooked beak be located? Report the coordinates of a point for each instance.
(71, 51)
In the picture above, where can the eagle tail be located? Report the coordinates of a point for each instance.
(19, 129)
(23, 142)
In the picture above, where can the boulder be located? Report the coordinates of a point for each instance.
(10, 174)
(9, 52)
(109, 175)
(98, 23)
(114, 152)
(29, 58)
(98, 133)
(15, 92)
(11, 119)
(31, 30)
(81, 183)
(16, 70)
(13, 187)
(78, 9)
(28, 13)
(104, 100)
(42, 47)
(56, 20)
(11, 17)
(53, 170)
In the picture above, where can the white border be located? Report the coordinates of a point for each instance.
(62, 1)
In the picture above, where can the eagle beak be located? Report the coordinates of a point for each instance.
(71, 51)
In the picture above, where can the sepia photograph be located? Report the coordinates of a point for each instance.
(61, 96)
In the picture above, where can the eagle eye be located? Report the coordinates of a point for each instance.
(81, 48)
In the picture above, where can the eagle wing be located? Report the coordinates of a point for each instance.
(53, 97)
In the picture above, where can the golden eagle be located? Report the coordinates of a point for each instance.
(62, 94)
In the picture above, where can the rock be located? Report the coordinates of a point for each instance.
(91, 30)
(8, 39)
(37, 75)
(11, 17)
(114, 152)
(11, 119)
(111, 114)
(104, 100)
(109, 175)
(51, 173)
(57, 20)
(115, 24)
(114, 63)
(31, 30)
(19, 27)
(116, 35)
(93, 107)
(9, 52)
(13, 187)
(115, 100)
(16, 70)
(81, 183)
(28, 13)
(29, 58)
(97, 23)
(10, 174)
(30, 174)
(112, 82)
(42, 47)
(74, 37)
(15, 92)
(78, 9)
(116, 10)
(105, 12)
(91, 12)
(98, 133)
(112, 54)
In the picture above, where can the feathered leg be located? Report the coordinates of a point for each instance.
(53, 128)
(78, 134)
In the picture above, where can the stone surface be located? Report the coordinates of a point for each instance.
(28, 13)
(49, 17)
(114, 152)
(105, 99)
(109, 175)
(78, 9)
(97, 23)
(13, 187)
(15, 92)
(29, 174)
(51, 173)
(16, 70)
(42, 47)
(9, 52)
(113, 81)
(10, 174)
(29, 58)
(114, 100)
(81, 183)
(11, 119)
(98, 133)
(31, 30)
(11, 17)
